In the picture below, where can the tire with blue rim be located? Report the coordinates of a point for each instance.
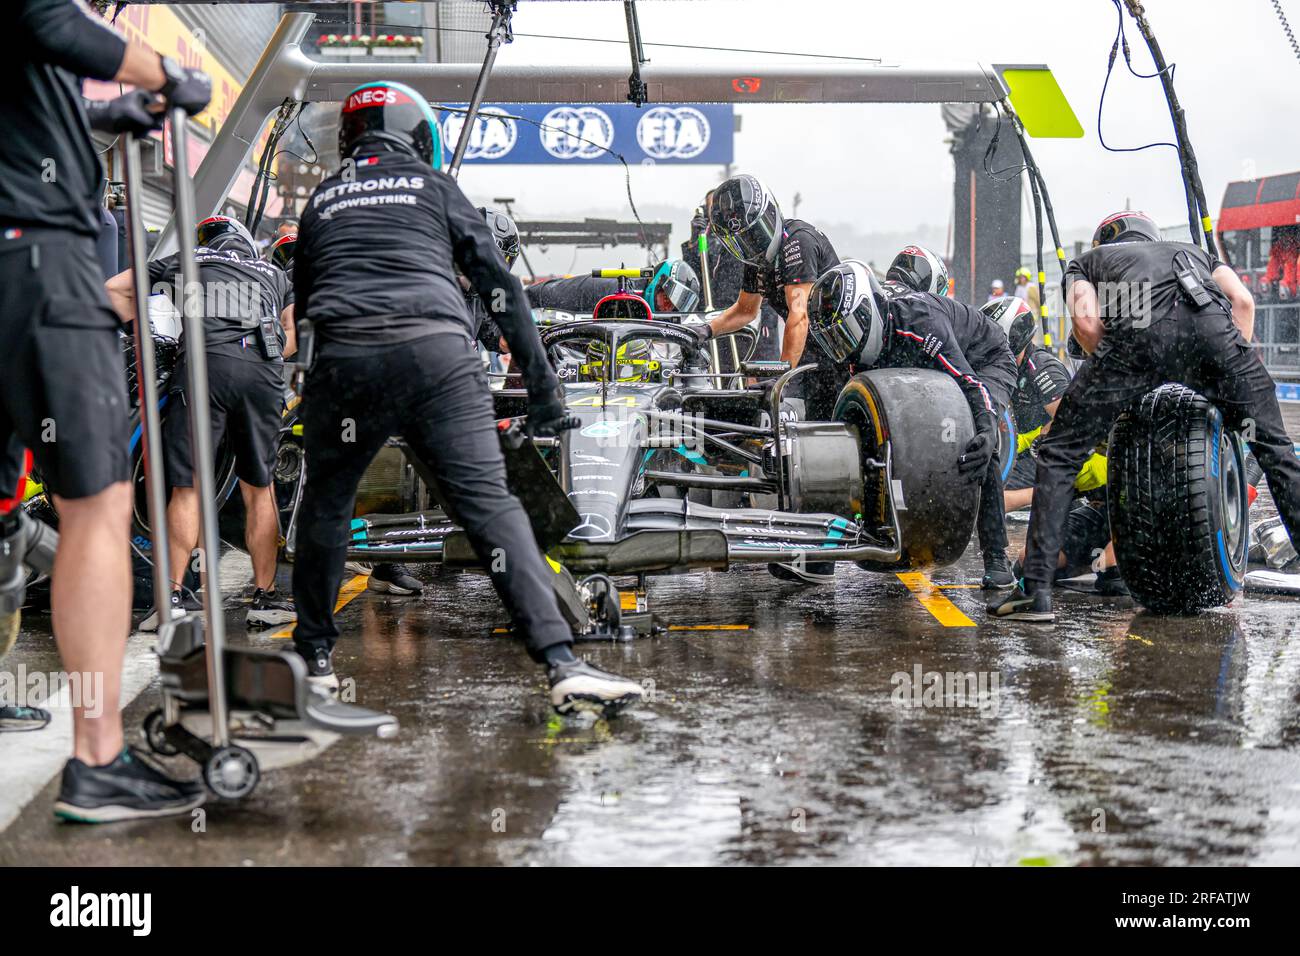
(1178, 505)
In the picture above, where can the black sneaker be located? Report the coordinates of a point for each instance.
(394, 579)
(320, 673)
(997, 572)
(268, 608)
(181, 604)
(1019, 606)
(129, 788)
(1110, 583)
(579, 686)
(19, 719)
(807, 572)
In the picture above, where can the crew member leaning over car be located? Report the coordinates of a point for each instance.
(857, 321)
(375, 274)
(1197, 333)
(783, 258)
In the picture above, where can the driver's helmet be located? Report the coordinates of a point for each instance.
(282, 252)
(634, 361)
(678, 282)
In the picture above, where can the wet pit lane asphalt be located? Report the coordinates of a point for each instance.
(1116, 737)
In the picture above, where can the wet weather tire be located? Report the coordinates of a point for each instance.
(1177, 498)
(924, 417)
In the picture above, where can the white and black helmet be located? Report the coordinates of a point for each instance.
(1015, 318)
(920, 270)
(745, 218)
(846, 313)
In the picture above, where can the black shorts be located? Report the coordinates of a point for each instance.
(246, 400)
(63, 384)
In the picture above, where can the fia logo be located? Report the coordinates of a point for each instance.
(673, 133)
(577, 132)
(493, 137)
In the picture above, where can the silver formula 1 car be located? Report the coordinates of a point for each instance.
(687, 459)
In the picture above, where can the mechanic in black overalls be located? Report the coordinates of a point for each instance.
(857, 320)
(1041, 381)
(63, 387)
(1170, 339)
(375, 273)
(783, 258)
(726, 273)
(248, 332)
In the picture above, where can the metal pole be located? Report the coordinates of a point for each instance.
(197, 391)
(147, 389)
(495, 37)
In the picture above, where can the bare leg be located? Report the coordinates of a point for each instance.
(1017, 499)
(182, 531)
(91, 601)
(261, 533)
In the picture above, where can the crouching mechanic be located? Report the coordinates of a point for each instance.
(248, 330)
(1041, 380)
(375, 273)
(1198, 334)
(856, 321)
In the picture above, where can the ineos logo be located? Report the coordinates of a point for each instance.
(673, 133)
(577, 132)
(494, 134)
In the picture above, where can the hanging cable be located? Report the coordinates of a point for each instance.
(1286, 28)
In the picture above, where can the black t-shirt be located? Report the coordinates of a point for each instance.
(375, 264)
(1136, 279)
(932, 331)
(49, 173)
(1041, 379)
(238, 293)
(803, 255)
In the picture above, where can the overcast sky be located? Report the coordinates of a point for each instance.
(886, 168)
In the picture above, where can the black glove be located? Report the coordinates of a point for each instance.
(977, 454)
(128, 113)
(702, 332)
(546, 413)
(190, 90)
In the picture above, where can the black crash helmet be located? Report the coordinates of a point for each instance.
(389, 116)
(282, 251)
(920, 270)
(745, 218)
(222, 232)
(504, 233)
(1126, 226)
(846, 313)
(1015, 318)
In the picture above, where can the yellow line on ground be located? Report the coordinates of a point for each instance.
(932, 599)
(349, 591)
(708, 627)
